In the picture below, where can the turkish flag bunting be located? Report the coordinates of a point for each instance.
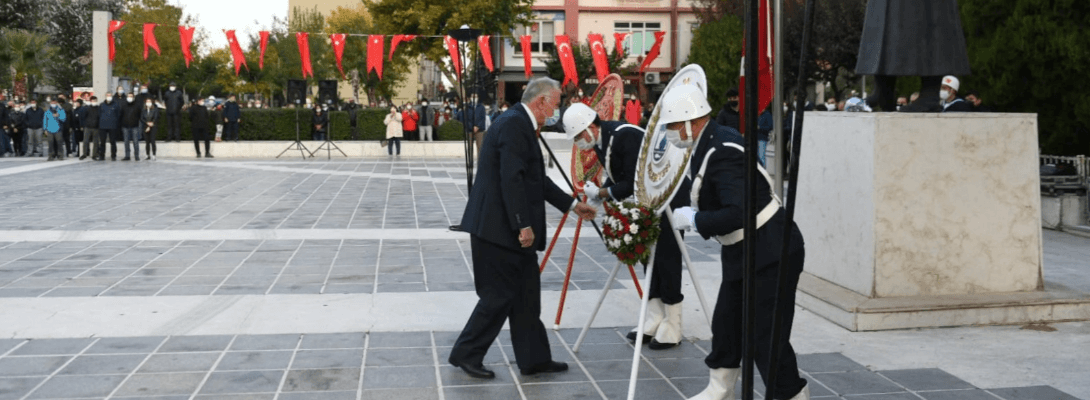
(115, 25)
(186, 35)
(149, 40)
(483, 42)
(338, 49)
(764, 65)
(525, 40)
(304, 53)
(601, 59)
(567, 59)
(654, 53)
(375, 44)
(236, 51)
(398, 39)
(264, 44)
(618, 40)
(452, 47)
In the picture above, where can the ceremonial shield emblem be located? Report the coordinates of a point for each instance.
(662, 166)
(607, 100)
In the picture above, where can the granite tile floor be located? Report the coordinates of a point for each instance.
(412, 365)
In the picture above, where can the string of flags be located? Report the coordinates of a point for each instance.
(376, 50)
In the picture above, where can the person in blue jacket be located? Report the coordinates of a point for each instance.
(232, 116)
(53, 124)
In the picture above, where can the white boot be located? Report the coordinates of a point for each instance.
(804, 394)
(669, 333)
(655, 314)
(720, 385)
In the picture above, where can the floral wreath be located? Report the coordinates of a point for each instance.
(630, 231)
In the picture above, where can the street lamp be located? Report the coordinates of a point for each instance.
(464, 34)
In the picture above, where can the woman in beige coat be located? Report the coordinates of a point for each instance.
(393, 131)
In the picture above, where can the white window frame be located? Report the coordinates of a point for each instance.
(647, 35)
(536, 37)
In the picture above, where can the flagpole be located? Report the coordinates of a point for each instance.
(752, 35)
(778, 151)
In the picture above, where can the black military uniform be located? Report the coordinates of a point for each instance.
(198, 121)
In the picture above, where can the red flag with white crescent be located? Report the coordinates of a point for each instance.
(483, 42)
(525, 42)
(375, 45)
(185, 33)
(149, 40)
(236, 51)
(338, 49)
(601, 59)
(304, 53)
(452, 47)
(263, 44)
(398, 39)
(115, 25)
(654, 52)
(764, 65)
(567, 59)
(618, 40)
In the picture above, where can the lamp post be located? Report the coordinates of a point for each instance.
(464, 34)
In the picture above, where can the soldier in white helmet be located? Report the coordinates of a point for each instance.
(718, 171)
(618, 147)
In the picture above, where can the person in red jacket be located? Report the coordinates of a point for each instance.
(632, 110)
(409, 119)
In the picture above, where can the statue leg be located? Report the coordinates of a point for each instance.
(885, 93)
(929, 96)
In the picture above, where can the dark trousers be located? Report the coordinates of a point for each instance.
(230, 131)
(115, 135)
(509, 287)
(727, 326)
(200, 134)
(100, 143)
(17, 135)
(174, 127)
(390, 145)
(666, 278)
(149, 140)
(66, 134)
(355, 132)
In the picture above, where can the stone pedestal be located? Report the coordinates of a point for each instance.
(922, 220)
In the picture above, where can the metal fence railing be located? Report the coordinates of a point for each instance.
(1081, 164)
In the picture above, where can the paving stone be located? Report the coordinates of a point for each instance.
(314, 359)
(617, 370)
(52, 346)
(645, 389)
(242, 382)
(563, 391)
(595, 336)
(247, 396)
(453, 376)
(886, 396)
(254, 360)
(971, 394)
(399, 377)
(16, 388)
(507, 391)
(925, 379)
(8, 344)
(399, 357)
(265, 342)
(682, 368)
(161, 384)
(318, 396)
(332, 341)
(1032, 393)
(102, 364)
(827, 362)
(195, 343)
(88, 291)
(125, 345)
(492, 357)
(70, 386)
(179, 362)
(380, 340)
(30, 366)
(857, 382)
(308, 380)
(400, 394)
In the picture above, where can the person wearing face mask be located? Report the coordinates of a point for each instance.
(717, 211)
(5, 138)
(109, 122)
(353, 112)
(632, 110)
(198, 122)
(728, 116)
(617, 145)
(68, 127)
(174, 100)
(130, 126)
(948, 96)
(34, 117)
(53, 126)
(89, 121)
(232, 117)
(79, 133)
(149, 116)
(394, 130)
(427, 122)
(505, 217)
(17, 127)
(319, 122)
(409, 119)
(475, 117)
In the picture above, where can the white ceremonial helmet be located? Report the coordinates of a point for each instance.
(951, 81)
(577, 119)
(683, 103)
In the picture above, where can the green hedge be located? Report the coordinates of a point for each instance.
(279, 124)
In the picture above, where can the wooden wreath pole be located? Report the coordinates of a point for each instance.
(567, 276)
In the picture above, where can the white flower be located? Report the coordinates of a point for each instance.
(635, 212)
(627, 239)
(634, 228)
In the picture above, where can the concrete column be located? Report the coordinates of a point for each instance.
(101, 71)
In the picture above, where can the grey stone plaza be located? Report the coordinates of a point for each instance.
(271, 279)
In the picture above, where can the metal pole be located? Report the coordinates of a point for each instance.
(465, 125)
(789, 217)
(777, 100)
(749, 265)
(639, 327)
(593, 314)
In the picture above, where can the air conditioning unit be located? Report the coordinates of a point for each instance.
(651, 78)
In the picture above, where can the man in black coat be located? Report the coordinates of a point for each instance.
(174, 100)
(130, 125)
(320, 124)
(353, 111)
(728, 116)
(505, 217)
(109, 123)
(198, 121)
(5, 140)
(89, 121)
(232, 116)
(718, 194)
(618, 147)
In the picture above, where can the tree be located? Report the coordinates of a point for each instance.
(428, 17)
(1032, 56)
(23, 53)
(584, 63)
(158, 69)
(67, 27)
(357, 21)
(717, 47)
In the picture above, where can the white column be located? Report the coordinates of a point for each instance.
(102, 70)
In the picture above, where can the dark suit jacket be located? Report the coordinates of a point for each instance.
(625, 142)
(959, 105)
(511, 187)
(722, 202)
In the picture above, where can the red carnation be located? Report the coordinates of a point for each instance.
(640, 249)
(643, 234)
(647, 222)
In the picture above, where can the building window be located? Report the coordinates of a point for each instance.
(642, 38)
(542, 36)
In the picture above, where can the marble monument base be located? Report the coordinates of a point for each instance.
(925, 220)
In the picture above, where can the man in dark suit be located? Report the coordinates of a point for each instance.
(618, 147)
(505, 217)
(718, 193)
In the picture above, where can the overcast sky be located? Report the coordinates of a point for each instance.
(244, 16)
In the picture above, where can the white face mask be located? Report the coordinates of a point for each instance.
(830, 107)
(129, 99)
(674, 136)
(172, 88)
(94, 104)
(585, 144)
(503, 109)
(944, 94)
(147, 104)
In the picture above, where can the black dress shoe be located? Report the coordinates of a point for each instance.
(476, 371)
(632, 337)
(656, 345)
(545, 367)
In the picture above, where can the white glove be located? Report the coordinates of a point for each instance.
(684, 218)
(591, 190)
